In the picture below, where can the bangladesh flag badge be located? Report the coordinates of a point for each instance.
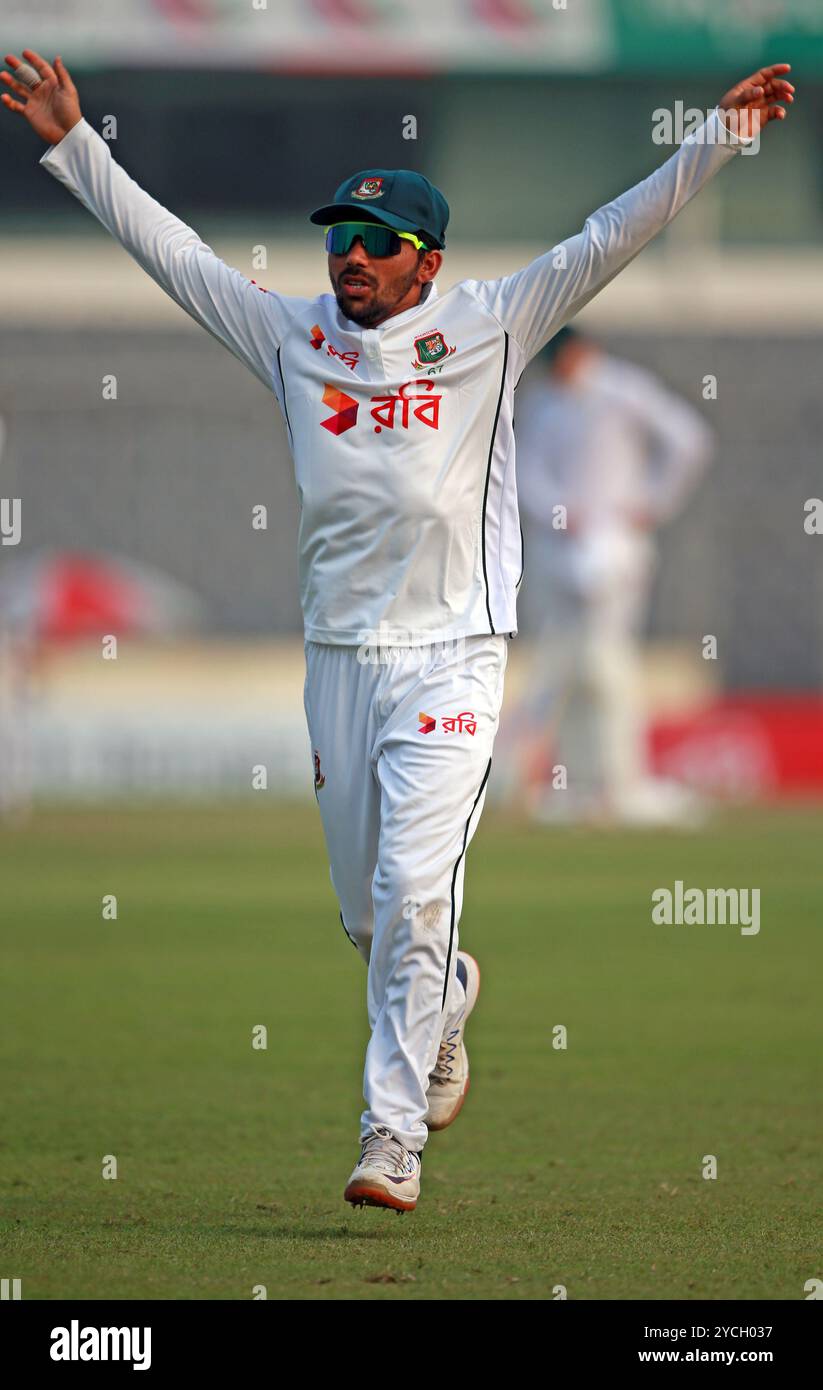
(431, 349)
(368, 188)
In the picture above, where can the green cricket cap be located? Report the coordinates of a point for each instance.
(397, 198)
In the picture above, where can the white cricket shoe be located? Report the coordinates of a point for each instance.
(387, 1174)
(449, 1081)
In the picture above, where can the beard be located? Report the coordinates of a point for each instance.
(378, 304)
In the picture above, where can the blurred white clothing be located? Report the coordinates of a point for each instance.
(601, 461)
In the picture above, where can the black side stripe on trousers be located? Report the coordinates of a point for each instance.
(454, 880)
(488, 475)
(346, 930)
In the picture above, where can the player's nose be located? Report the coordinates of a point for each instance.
(358, 254)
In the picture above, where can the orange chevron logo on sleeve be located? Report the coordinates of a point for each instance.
(427, 723)
(344, 407)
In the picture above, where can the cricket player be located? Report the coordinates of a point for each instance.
(398, 404)
(608, 451)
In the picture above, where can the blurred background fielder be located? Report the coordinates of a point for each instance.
(605, 455)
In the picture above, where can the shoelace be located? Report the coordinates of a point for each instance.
(388, 1150)
(444, 1065)
(445, 1057)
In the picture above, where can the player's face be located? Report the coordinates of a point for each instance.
(371, 289)
(572, 360)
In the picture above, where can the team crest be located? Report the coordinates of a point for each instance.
(431, 349)
(369, 188)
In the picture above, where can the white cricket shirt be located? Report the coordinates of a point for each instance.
(401, 435)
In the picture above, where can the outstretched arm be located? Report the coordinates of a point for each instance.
(247, 320)
(535, 303)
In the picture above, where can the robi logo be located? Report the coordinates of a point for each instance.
(394, 411)
(463, 723)
(345, 410)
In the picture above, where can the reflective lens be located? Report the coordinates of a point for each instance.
(377, 241)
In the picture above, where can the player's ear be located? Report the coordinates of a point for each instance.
(429, 263)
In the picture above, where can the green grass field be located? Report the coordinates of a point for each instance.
(580, 1168)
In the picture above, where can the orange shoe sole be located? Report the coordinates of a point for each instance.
(361, 1194)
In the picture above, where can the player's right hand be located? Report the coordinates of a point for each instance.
(53, 106)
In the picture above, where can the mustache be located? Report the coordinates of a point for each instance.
(350, 273)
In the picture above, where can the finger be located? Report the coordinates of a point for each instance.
(26, 74)
(747, 92)
(11, 103)
(40, 65)
(764, 74)
(17, 87)
(64, 76)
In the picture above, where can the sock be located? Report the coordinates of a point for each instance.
(463, 979)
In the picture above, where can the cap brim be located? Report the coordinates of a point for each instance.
(355, 212)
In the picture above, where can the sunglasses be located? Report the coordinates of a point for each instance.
(377, 240)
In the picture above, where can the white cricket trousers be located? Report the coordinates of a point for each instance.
(402, 744)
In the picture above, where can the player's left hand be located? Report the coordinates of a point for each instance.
(756, 100)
